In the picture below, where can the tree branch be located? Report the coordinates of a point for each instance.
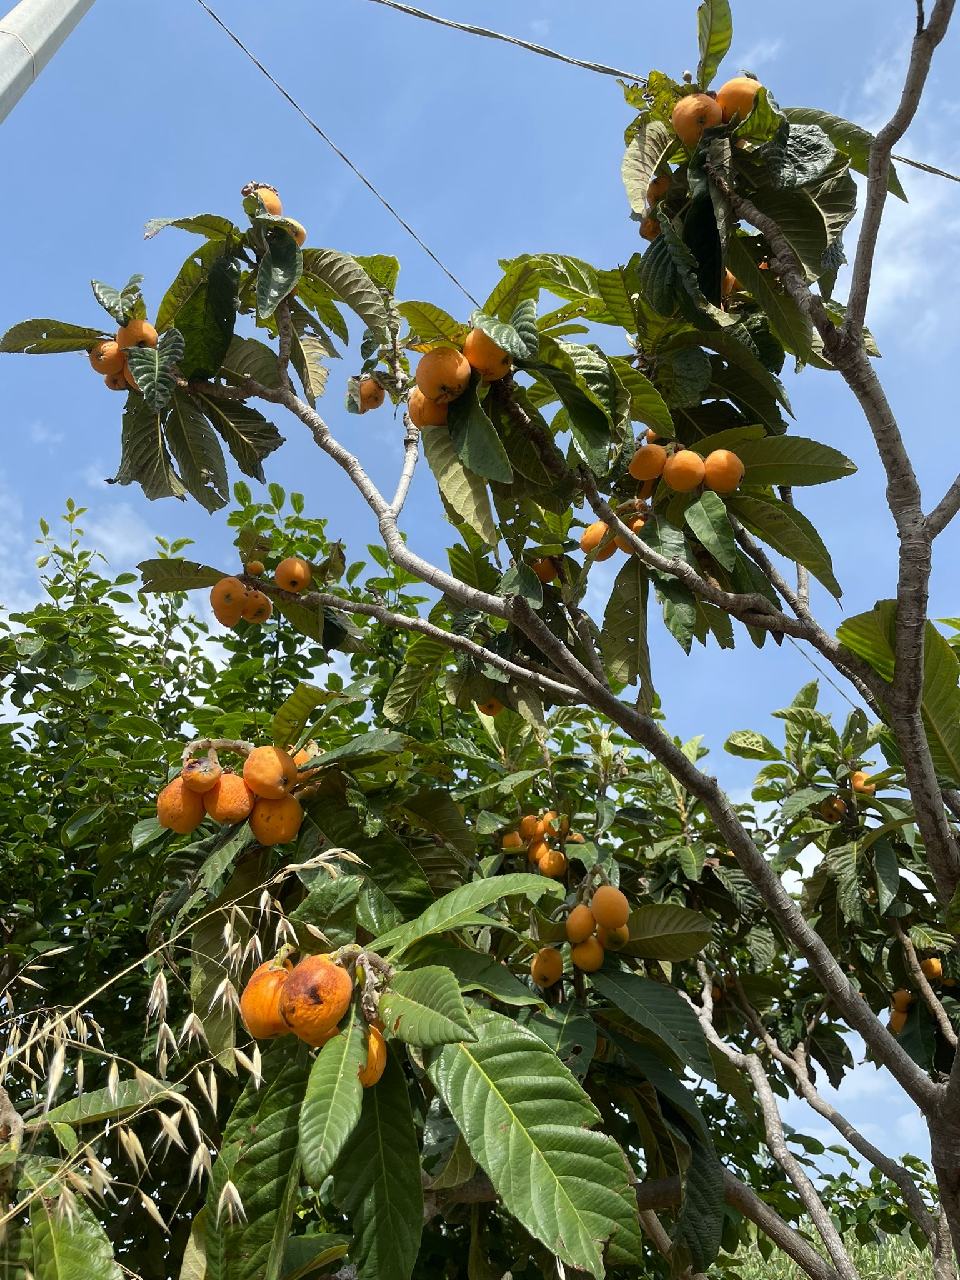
(936, 1009)
(944, 511)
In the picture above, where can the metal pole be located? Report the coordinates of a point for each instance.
(30, 35)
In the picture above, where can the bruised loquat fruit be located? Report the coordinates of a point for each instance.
(254, 568)
(293, 574)
(257, 607)
(276, 821)
(443, 374)
(492, 707)
(613, 939)
(314, 998)
(298, 231)
(116, 381)
(658, 188)
(546, 967)
(650, 228)
(201, 775)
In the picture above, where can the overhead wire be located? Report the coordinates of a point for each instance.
(338, 152)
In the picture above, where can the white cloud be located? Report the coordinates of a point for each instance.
(40, 434)
(757, 56)
(540, 27)
(120, 533)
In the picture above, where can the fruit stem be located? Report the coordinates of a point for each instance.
(213, 745)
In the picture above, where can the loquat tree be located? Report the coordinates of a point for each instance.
(536, 985)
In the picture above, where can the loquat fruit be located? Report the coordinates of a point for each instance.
(227, 599)
(722, 471)
(483, 354)
(424, 412)
(201, 775)
(613, 939)
(580, 924)
(610, 907)
(729, 285)
(898, 1020)
(314, 998)
(492, 707)
(254, 568)
(260, 1001)
(658, 188)
(276, 821)
(553, 864)
(650, 228)
(546, 967)
(269, 772)
(293, 574)
(178, 808)
(512, 842)
(106, 357)
(298, 231)
(684, 471)
(230, 801)
(902, 999)
(128, 377)
(443, 374)
(544, 568)
(932, 968)
(861, 783)
(737, 97)
(376, 1062)
(591, 538)
(137, 333)
(116, 381)
(587, 955)
(270, 199)
(692, 115)
(530, 826)
(537, 849)
(257, 607)
(832, 809)
(371, 394)
(648, 462)
(634, 525)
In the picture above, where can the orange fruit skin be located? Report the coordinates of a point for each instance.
(376, 1062)
(443, 374)
(228, 591)
(648, 462)
(530, 827)
(903, 999)
(658, 188)
(254, 567)
(304, 756)
(610, 907)
(257, 607)
(179, 809)
(200, 775)
(580, 924)
(128, 377)
(230, 801)
(861, 783)
(116, 381)
(544, 568)
(371, 394)
(932, 968)
(137, 333)
(424, 412)
(270, 772)
(613, 939)
(492, 707)
(833, 809)
(553, 864)
(546, 967)
(276, 821)
(228, 615)
(260, 1002)
(483, 354)
(512, 841)
(722, 471)
(684, 471)
(298, 231)
(106, 357)
(737, 97)
(575, 837)
(693, 114)
(729, 284)
(635, 525)
(270, 200)
(591, 538)
(293, 574)
(537, 849)
(314, 998)
(587, 955)
(650, 228)
(898, 1020)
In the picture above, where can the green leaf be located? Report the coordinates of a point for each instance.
(65, 1249)
(49, 337)
(520, 580)
(424, 1007)
(368, 749)
(292, 715)
(751, 746)
(333, 1099)
(377, 1182)
(246, 359)
(707, 520)
(210, 225)
(246, 433)
(699, 1227)
(524, 321)
(668, 272)
(207, 320)
(589, 420)
(520, 283)
(715, 30)
(854, 141)
(153, 368)
(429, 323)
(344, 278)
(791, 326)
(258, 1154)
(528, 1123)
(645, 155)
(280, 269)
(98, 1105)
(121, 304)
(421, 662)
(475, 971)
(188, 279)
(307, 1255)
(663, 931)
(307, 354)
(660, 1010)
(465, 493)
(623, 638)
(463, 904)
(176, 575)
(502, 333)
(435, 809)
(801, 221)
(570, 1032)
(647, 405)
(143, 454)
(872, 636)
(791, 460)
(475, 439)
(197, 452)
(788, 531)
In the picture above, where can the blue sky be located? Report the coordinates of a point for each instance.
(490, 151)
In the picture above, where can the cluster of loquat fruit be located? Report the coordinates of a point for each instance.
(232, 599)
(592, 929)
(902, 999)
(307, 1000)
(535, 833)
(681, 470)
(272, 204)
(262, 794)
(110, 357)
(834, 808)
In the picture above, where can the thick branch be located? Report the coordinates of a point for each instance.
(944, 511)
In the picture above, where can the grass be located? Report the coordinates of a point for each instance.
(895, 1260)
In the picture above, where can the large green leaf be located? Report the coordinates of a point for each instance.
(65, 1249)
(177, 575)
(715, 30)
(623, 639)
(435, 809)
(450, 911)
(306, 1256)
(648, 149)
(210, 225)
(528, 1123)
(423, 658)
(290, 718)
(258, 1154)
(345, 279)
(788, 531)
(430, 323)
(120, 304)
(520, 283)
(791, 460)
(790, 325)
(663, 931)
(465, 493)
(699, 1226)
(377, 1182)
(187, 281)
(854, 141)
(424, 1007)
(279, 271)
(246, 359)
(143, 453)
(155, 368)
(49, 337)
(332, 1102)
(661, 1010)
(570, 1031)
(707, 520)
(247, 434)
(196, 451)
(589, 421)
(475, 439)
(99, 1105)
(207, 320)
(647, 405)
(367, 749)
(474, 970)
(307, 354)
(802, 222)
